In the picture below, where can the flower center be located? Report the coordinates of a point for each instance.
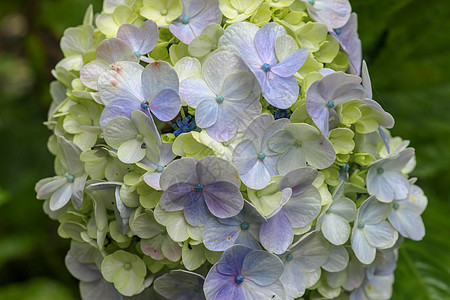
(197, 289)
(380, 171)
(330, 104)
(239, 279)
(163, 232)
(137, 54)
(244, 225)
(241, 11)
(139, 137)
(312, 2)
(289, 257)
(163, 12)
(219, 99)
(338, 31)
(265, 67)
(297, 143)
(127, 266)
(261, 155)
(69, 177)
(361, 224)
(144, 105)
(199, 187)
(185, 20)
(396, 206)
(346, 167)
(159, 169)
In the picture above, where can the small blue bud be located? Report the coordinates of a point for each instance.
(69, 177)
(219, 99)
(199, 187)
(265, 67)
(289, 257)
(159, 169)
(380, 171)
(261, 155)
(330, 104)
(338, 31)
(144, 105)
(396, 206)
(361, 224)
(312, 2)
(245, 225)
(346, 167)
(239, 279)
(137, 54)
(297, 143)
(185, 20)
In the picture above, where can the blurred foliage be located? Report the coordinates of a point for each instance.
(407, 47)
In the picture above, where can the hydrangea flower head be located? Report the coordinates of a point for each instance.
(227, 149)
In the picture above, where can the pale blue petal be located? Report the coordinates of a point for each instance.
(380, 235)
(157, 76)
(61, 197)
(219, 237)
(179, 171)
(279, 91)
(408, 223)
(118, 108)
(177, 196)
(301, 210)
(262, 267)
(166, 105)
(276, 235)
(361, 247)
(257, 177)
(141, 40)
(207, 113)
(298, 180)
(195, 90)
(265, 41)
(291, 64)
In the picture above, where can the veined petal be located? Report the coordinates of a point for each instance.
(195, 90)
(262, 267)
(118, 108)
(279, 91)
(276, 234)
(166, 105)
(206, 113)
(176, 196)
(157, 76)
(291, 64)
(361, 247)
(380, 235)
(265, 42)
(223, 199)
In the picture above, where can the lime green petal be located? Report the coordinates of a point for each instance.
(131, 151)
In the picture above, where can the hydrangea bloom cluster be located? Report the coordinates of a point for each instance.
(217, 149)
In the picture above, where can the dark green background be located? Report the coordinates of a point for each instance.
(405, 42)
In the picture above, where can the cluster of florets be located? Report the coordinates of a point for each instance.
(212, 149)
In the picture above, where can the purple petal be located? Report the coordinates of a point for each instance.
(179, 171)
(265, 42)
(118, 108)
(182, 31)
(334, 14)
(211, 169)
(276, 235)
(279, 91)
(226, 125)
(196, 212)
(223, 199)
(208, 15)
(238, 86)
(206, 113)
(177, 196)
(298, 180)
(262, 267)
(158, 76)
(152, 179)
(166, 105)
(232, 260)
(291, 64)
(112, 50)
(141, 40)
(218, 286)
(302, 209)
